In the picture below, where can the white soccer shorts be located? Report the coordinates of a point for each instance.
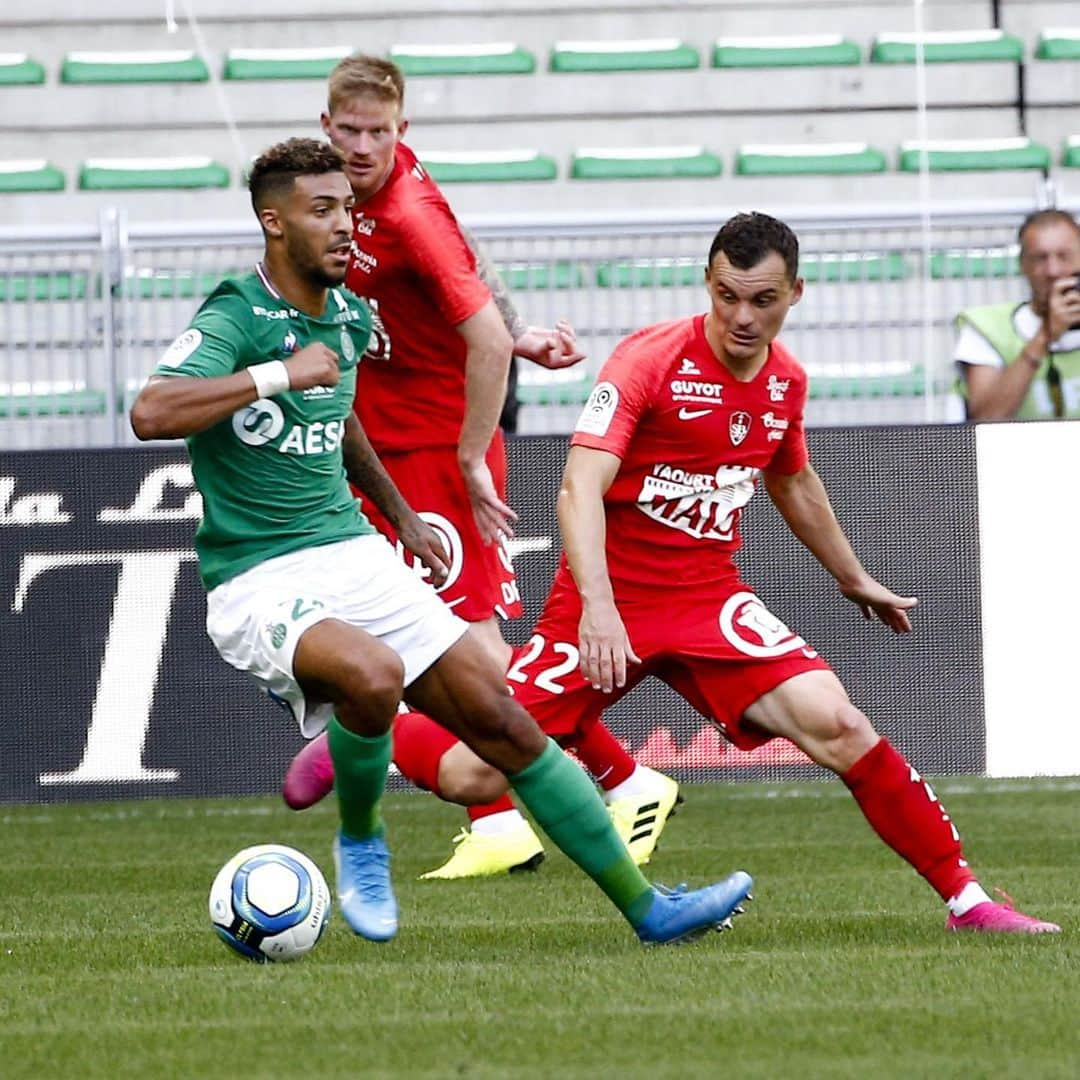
(256, 618)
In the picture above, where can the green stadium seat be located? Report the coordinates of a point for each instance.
(147, 284)
(644, 163)
(907, 384)
(852, 266)
(30, 174)
(489, 166)
(809, 50)
(17, 69)
(128, 174)
(556, 391)
(655, 54)
(799, 159)
(173, 65)
(976, 262)
(1059, 44)
(562, 274)
(1070, 152)
(824, 266)
(21, 400)
(37, 286)
(973, 155)
(948, 46)
(283, 63)
(495, 58)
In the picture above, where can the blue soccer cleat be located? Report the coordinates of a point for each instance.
(363, 886)
(677, 915)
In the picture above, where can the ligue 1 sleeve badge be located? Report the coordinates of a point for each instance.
(739, 427)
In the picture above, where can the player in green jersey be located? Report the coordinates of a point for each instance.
(304, 595)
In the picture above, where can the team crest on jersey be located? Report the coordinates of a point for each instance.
(348, 349)
(365, 226)
(739, 427)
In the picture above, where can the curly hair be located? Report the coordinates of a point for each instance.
(747, 238)
(358, 75)
(277, 168)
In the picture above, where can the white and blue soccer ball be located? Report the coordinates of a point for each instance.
(270, 902)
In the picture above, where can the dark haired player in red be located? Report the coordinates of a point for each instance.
(685, 418)
(429, 394)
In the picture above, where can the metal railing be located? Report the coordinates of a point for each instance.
(85, 313)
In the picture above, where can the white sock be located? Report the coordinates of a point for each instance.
(637, 785)
(505, 821)
(970, 895)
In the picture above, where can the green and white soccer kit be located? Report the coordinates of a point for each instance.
(283, 543)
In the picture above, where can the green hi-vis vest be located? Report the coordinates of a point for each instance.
(995, 323)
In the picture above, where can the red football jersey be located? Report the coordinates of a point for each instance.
(693, 441)
(413, 266)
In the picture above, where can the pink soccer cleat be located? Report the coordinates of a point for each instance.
(993, 918)
(310, 776)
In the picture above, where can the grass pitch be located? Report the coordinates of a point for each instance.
(841, 968)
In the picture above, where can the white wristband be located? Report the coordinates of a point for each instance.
(270, 378)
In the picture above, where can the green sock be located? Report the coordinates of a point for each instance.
(566, 806)
(360, 765)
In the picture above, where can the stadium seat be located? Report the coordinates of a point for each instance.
(283, 63)
(30, 174)
(147, 284)
(823, 266)
(949, 46)
(18, 401)
(1070, 153)
(124, 174)
(488, 166)
(644, 163)
(968, 263)
(17, 69)
(1058, 44)
(175, 65)
(810, 50)
(555, 391)
(542, 275)
(495, 58)
(20, 287)
(963, 155)
(655, 54)
(907, 385)
(801, 159)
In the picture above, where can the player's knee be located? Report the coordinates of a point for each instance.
(847, 735)
(470, 782)
(376, 683)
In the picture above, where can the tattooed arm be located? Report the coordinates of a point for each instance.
(365, 471)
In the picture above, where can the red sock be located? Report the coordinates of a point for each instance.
(603, 755)
(904, 811)
(419, 745)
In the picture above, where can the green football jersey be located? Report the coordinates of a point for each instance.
(271, 476)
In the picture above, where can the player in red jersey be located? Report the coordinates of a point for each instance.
(683, 421)
(429, 394)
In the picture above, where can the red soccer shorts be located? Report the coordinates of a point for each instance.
(721, 650)
(481, 581)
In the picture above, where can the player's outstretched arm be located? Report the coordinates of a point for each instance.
(802, 500)
(487, 362)
(175, 406)
(366, 471)
(602, 639)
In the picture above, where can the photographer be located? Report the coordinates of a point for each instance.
(1022, 361)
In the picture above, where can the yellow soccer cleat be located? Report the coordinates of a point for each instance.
(640, 819)
(480, 855)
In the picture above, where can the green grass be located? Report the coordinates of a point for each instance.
(841, 968)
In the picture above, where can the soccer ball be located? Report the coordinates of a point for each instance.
(270, 902)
